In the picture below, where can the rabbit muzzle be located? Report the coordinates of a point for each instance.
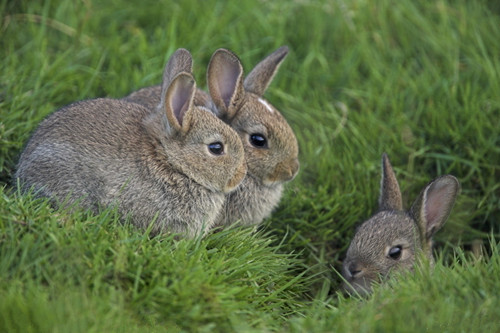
(357, 278)
(283, 172)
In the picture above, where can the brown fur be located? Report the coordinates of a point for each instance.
(239, 102)
(154, 165)
(368, 256)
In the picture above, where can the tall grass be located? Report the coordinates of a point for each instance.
(418, 80)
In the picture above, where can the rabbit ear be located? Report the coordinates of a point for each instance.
(225, 82)
(434, 204)
(261, 76)
(390, 195)
(180, 61)
(179, 101)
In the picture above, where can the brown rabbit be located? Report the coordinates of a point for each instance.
(392, 239)
(171, 166)
(271, 149)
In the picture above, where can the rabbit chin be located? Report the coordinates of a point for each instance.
(283, 172)
(361, 286)
(270, 182)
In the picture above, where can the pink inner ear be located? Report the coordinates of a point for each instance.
(180, 100)
(438, 203)
(182, 113)
(227, 79)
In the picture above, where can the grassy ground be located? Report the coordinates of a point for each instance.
(418, 81)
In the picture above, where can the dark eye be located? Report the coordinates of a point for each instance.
(216, 148)
(258, 140)
(395, 252)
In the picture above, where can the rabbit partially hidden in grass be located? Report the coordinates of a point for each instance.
(393, 238)
(271, 149)
(172, 164)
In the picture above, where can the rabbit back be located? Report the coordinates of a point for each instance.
(149, 97)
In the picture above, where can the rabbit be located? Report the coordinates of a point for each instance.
(271, 148)
(393, 238)
(168, 168)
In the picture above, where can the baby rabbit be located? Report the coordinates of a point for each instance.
(392, 239)
(170, 166)
(271, 149)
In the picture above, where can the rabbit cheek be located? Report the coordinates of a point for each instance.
(236, 180)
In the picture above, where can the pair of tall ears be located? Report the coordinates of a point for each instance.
(226, 81)
(433, 205)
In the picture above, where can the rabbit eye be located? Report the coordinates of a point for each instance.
(258, 140)
(395, 252)
(216, 148)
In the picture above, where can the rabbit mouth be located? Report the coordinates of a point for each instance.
(357, 278)
(283, 172)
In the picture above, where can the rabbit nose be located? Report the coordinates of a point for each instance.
(354, 269)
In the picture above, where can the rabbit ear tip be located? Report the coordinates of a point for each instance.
(284, 48)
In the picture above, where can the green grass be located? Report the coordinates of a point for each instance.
(420, 81)
(53, 261)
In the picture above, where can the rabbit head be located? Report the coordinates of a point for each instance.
(271, 149)
(200, 145)
(393, 239)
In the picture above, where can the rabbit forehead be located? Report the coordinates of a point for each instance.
(384, 229)
(206, 127)
(266, 104)
(255, 117)
(256, 106)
